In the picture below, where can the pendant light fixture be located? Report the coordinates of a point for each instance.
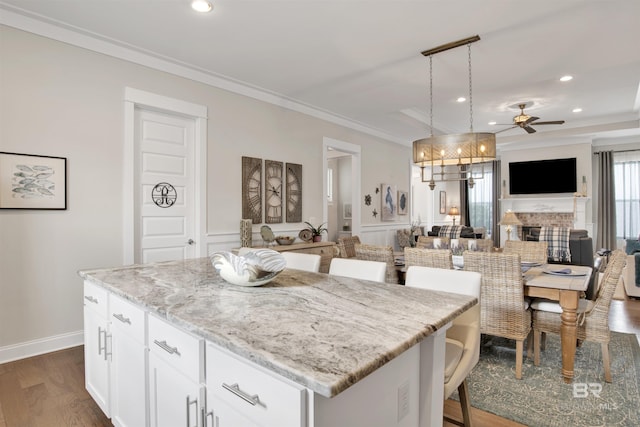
(462, 150)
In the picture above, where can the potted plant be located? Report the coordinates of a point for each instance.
(316, 232)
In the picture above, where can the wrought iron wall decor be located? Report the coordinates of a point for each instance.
(164, 195)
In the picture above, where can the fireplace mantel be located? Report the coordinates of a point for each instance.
(575, 205)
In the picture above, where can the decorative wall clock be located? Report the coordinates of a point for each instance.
(273, 191)
(252, 189)
(294, 192)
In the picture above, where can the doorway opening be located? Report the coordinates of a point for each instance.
(341, 188)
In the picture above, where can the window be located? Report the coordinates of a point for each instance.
(626, 178)
(481, 201)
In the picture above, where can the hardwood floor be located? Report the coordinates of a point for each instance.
(48, 390)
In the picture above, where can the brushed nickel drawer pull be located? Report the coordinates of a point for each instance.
(166, 347)
(121, 318)
(235, 389)
(91, 299)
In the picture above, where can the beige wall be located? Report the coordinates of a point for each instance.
(60, 100)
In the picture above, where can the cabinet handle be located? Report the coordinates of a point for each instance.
(166, 347)
(205, 417)
(91, 299)
(189, 403)
(121, 318)
(100, 331)
(235, 389)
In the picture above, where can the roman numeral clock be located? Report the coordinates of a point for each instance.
(252, 189)
(273, 191)
(294, 192)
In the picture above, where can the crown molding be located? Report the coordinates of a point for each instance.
(55, 30)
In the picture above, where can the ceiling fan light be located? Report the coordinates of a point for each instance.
(202, 6)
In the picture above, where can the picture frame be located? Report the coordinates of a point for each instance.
(346, 211)
(30, 181)
(403, 202)
(388, 196)
(443, 202)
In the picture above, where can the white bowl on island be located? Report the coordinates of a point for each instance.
(255, 268)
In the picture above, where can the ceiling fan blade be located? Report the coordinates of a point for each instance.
(529, 129)
(531, 119)
(554, 122)
(503, 130)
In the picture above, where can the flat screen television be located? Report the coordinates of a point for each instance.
(543, 176)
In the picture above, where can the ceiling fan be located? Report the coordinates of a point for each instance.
(524, 121)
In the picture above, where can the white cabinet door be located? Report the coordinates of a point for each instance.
(95, 349)
(128, 379)
(174, 399)
(225, 416)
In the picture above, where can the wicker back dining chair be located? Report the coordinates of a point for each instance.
(593, 316)
(435, 258)
(346, 246)
(503, 312)
(480, 245)
(433, 242)
(528, 251)
(382, 254)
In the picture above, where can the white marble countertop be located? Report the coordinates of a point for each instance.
(323, 332)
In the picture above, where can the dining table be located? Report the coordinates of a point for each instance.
(562, 283)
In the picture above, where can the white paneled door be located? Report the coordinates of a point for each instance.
(164, 196)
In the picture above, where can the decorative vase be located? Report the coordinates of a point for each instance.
(317, 238)
(246, 233)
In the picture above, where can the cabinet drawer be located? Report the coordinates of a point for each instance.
(180, 349)
(95, 298)
(252, 391)
(127, 316)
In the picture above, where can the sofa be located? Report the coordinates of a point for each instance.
(581, 249)
(466, 232)
(631, 272)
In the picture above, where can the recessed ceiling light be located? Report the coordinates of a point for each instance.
(461, 99)
(566, 78)
(492, 123)
(577, 110)
(201, 6)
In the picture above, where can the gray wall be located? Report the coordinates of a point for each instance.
(61, 100)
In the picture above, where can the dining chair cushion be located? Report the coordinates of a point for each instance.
(452, 355)
(584, 306)
(302, 261)
(358, 269)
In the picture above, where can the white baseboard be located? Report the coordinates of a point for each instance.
(36, 347)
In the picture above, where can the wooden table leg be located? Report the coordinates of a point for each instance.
(568, 336)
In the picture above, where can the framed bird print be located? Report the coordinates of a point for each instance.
(389, 202)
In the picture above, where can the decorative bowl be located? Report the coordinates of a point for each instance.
(285, 240)
(255, 268)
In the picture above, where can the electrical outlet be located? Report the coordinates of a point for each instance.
(403, 400)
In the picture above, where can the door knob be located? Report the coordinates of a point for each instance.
(190, 242)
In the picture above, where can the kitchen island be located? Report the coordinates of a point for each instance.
(353, 352)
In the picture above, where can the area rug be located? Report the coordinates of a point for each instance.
(542, 399)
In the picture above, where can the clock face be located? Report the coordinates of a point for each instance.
(252, 189)
(294, 192)
(273, 191)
